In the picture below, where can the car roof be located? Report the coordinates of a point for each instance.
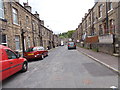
(71, 42)
(36, 47)
(4, 47)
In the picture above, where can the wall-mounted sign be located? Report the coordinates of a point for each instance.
(108, 39)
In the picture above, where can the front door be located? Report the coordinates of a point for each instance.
(14, 62)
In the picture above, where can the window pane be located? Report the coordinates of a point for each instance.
(110, 6)
(29, 50)
(1, 9)
(4, 39)
(1, 13)
(15, 16)
(11, 55)
(1, 4)
(14, 11)
(17, 42)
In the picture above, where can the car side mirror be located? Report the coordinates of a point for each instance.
(18, 55)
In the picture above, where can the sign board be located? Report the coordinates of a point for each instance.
(108, 39)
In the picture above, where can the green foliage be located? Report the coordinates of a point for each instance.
(67, 34)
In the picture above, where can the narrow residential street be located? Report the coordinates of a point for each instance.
(64, 68)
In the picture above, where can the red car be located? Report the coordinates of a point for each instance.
(35, 53)
(10, 63)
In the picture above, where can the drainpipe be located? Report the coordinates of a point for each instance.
(107, 26)
(23, 45)
(32, 31)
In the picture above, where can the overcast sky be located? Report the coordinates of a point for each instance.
(61, 15)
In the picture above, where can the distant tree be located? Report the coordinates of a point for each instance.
(67, 34)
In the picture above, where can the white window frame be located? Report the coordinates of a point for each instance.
(2, 9)
(15, 12)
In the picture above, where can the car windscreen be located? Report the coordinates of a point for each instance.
(71, 43)
(29, 50)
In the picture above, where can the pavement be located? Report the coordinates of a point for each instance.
(107, 60)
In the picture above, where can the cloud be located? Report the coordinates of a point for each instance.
(61, 15)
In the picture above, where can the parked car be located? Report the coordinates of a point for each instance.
(35, 53)
(71, 45)
(10, 62)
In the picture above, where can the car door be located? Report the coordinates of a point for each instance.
(45, 51)
(5, 65)
(14, 62)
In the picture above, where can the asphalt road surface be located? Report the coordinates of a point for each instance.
(63, 68)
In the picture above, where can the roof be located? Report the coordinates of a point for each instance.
(3, 47)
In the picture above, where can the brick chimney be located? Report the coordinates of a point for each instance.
(85, 14)
(89, 10)
(83, 19)
(42, 22)
(37, 15)
(27, 7)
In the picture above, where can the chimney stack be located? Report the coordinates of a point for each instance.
(85, 14)
(89, 10)
(42, 22)
(82, 19)
(27, 7)
(36, 14)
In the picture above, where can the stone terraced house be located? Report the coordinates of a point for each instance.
(20, 29)
(100, 28)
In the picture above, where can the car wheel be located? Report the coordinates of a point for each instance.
(46, 54)
(24, 67)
